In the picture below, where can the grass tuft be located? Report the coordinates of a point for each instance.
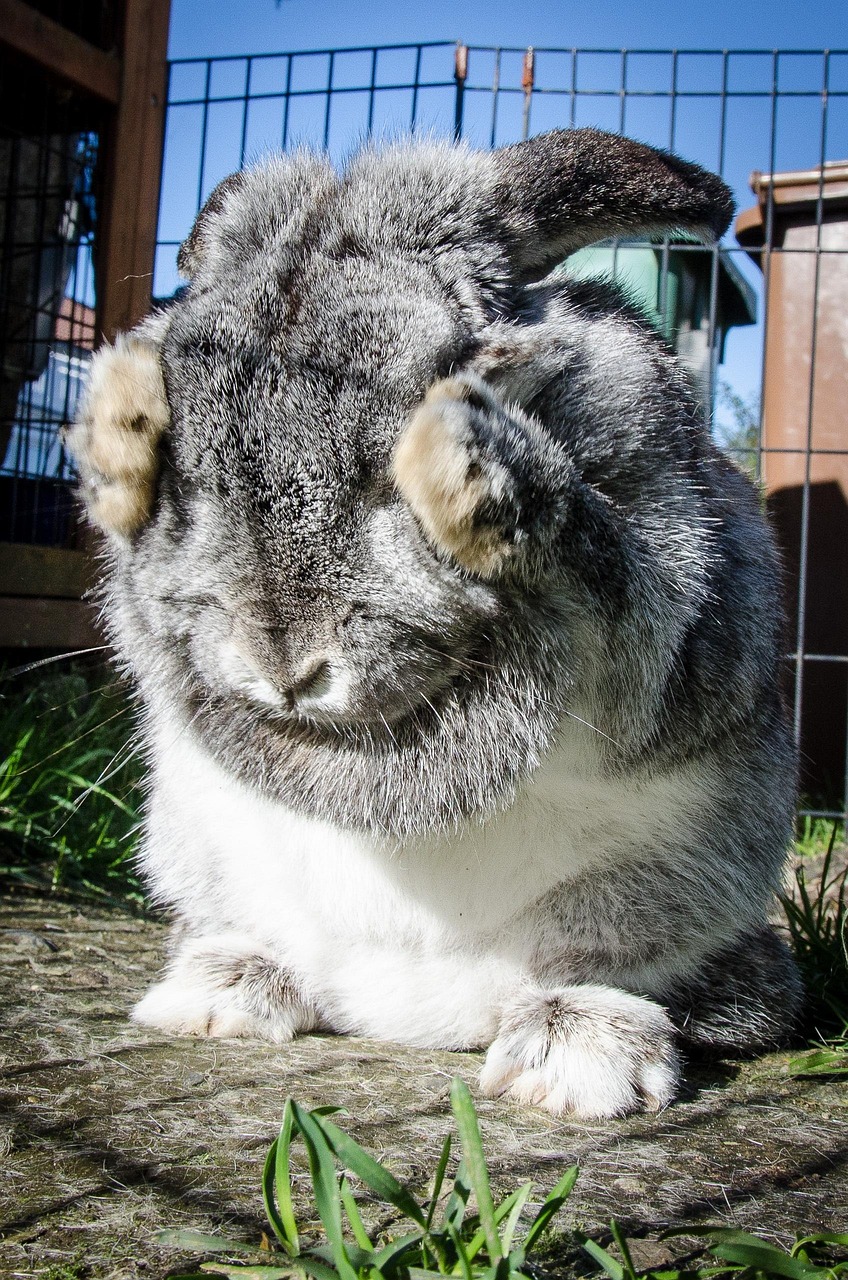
(69, 783)
(447, 1237)
(818, 930)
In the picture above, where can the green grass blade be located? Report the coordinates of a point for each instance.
(94, 788)
(360, 1259)
(185, 1238)
(765, 1258)
(827, 1062)
(551, 1205)
(360, 1235)
(438, 1180)
(314, 1266)
(282, 1182)
(458, 1198)
(744, 1250)
(388, 1258)
(605, 1260)
(498, 1271)
(373, 1174)
(463, 1262)
(820, 1238)
(325, 1186)
(624, 1249)
(277, 1224)
(475, 1160)
(516, 1260)
(519, 1198)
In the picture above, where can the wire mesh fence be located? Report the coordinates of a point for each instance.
(48, 154)
(760, 321)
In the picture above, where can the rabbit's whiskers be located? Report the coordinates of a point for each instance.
(66, 746)
(86, 693)
(121, 757)
(57, 657)
(572, 716)
(388, 729)
(471, 663)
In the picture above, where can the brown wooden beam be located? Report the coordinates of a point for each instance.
(133, 170)
(60, 51)
(44, 571)
(46, 624)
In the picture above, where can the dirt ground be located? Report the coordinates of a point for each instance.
(110, 1134)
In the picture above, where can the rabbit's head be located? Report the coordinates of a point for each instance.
(282, 590)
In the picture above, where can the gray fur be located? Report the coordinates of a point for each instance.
(639, 587)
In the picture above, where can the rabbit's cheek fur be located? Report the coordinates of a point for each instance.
(370, 659)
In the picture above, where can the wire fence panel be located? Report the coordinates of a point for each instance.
(48, 153)
(760, 321)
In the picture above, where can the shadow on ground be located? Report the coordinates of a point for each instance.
(110, 1134)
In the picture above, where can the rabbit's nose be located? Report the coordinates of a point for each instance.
(313, 686)
(316, 684)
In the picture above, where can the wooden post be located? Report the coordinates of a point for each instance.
(58, 50)
(40, 587)
(133, 163)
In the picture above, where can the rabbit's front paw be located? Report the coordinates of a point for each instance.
(115, 443)
(221, 987)
(449, 473)
(593, 1052)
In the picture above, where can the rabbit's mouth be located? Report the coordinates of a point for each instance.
(332, 697)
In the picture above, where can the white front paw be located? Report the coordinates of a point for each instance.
(115, 441)
(224, 986)
(180, 1009)
(588, 1051)
(448, 477)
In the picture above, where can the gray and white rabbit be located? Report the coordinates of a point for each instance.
(458, 641)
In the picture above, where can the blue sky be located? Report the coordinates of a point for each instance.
(216, 27)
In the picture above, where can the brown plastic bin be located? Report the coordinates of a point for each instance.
(798, 233)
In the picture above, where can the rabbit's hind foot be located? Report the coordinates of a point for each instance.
(746, 999)
(115, 442)
(224, 986)
(587, 1051)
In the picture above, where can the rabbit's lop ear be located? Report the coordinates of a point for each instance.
(202, 235)
(569, 188)
(255, 215)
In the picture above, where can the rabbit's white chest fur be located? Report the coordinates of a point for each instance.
(420, 942)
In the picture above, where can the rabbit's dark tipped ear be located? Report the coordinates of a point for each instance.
(572, 187)
(193, 249)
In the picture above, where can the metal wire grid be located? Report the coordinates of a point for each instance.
(47, 164)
